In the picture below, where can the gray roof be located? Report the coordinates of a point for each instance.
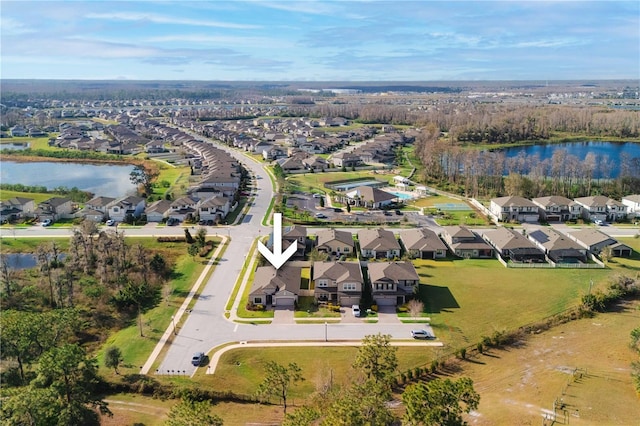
(551, 239)
(327, 235)
(338, 271)
(422, 239)
(99, 201)
(370, 194)
(513, 201)
(268, 277)
(553, 200)
(591, 237)
(508, 239)
(377, 239)
(394, 271)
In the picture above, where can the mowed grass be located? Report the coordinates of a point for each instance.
(469, 299)
(310, 181)
(518, 383)
(38, 197)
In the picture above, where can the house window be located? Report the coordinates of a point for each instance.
(349, 286)
(346, 250)
(379, 286)
(257, 300)
(390, 286)
(322, 283)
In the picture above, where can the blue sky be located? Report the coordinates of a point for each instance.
(320, 40)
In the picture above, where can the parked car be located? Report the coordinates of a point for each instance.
(316, 195)
(398, 212)
(598, 222)
(110, 222)
(422, 334)
(355, 309)
(320, 216)
(172, 221)
(47, 222)
(197, 359)
(387, 213)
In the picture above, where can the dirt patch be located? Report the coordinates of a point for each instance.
(576, 373)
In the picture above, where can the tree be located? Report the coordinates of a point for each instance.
(201, 237)
(439, 402)
(143, 178)
(348, 208)
(377, 358)
(188, 236)
(158, 265)
(360, 405)
(192, 413)
(73, 377)
(112, 358)
(278, 380)
(193, 250)
(303, 416)
(415, 307)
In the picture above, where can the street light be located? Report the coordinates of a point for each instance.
(174, 325)
(325, 331)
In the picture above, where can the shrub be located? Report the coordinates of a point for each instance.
(434, 367)
(480, 347)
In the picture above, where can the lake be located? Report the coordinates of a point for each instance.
(613, 150)
(102, 179)
(18, 146)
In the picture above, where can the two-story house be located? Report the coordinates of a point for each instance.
(340, 282)
(295, 234)
(465, 243)
(335, 242)
(557, 208)
(214, 208)
(601, 208)
(183, 208)
(633, 205)
(423, 243)
(17, 207)
(514, 209)
(130, 205)
(55, 208)
(392, 283)
(378, 243)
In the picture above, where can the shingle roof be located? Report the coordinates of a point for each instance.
(394, 271)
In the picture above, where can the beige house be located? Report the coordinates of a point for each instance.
(378, 243)
(275, 287)
(338, 282)
(392, 283)
(423, 243)
(335, 242)
(514, 208)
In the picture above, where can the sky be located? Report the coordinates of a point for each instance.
(363, 40)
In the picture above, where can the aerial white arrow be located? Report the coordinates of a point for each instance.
(277, 258)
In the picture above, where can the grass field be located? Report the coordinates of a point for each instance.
(468, 299)
(315, 181)
(517, 384)
(36, 196)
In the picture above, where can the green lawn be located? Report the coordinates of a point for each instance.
(468, 299)
(38, 197)
(315, 181)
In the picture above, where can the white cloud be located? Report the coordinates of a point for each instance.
(12, 26)
(160, 19)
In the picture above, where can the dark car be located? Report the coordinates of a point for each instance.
(398, 212)
(197, 359)
(338, 210)
(387, 213)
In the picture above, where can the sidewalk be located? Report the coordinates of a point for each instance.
(176, 318)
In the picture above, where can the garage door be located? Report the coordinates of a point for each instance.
(386, 301)
(285, 301)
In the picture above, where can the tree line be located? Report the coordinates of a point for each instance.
(485, 173)
(74, 193)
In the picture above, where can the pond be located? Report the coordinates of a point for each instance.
(18, 146)
(612, 152)
(106, 180)
(22, 260)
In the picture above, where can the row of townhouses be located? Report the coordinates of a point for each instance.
(559, 209)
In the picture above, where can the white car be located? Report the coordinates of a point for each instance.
(598, 222)
(46, 222)
(356, 310)
(110, 222)
(422, 334)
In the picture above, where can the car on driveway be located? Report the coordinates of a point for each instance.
(320, 216)
(197, 359)
(46, 222)
(110, 222)
(355, 309)
(422, 334)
